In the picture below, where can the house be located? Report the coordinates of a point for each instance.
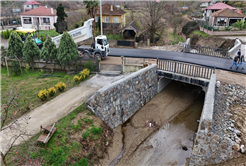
(31, 4)
(214, 8)
(225, 17)
(130, 30)
(41, 18)
(112, 16)
(206, 3)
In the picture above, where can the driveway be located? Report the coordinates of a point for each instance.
(52, 111)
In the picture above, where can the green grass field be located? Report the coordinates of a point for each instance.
(29, 86)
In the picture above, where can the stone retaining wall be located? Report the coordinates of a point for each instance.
(210, 148)
(233, 51)
(117, 102)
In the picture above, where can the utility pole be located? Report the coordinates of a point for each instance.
(101, 17)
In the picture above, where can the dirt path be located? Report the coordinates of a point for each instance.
(52, 111)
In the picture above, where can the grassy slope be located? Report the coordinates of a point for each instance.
(29, 87)
(77, 144)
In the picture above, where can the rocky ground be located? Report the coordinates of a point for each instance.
(230, 120)
(176, 48)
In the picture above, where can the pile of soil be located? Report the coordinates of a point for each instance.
(215, 42)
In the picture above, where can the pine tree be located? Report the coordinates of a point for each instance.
(61, 24)
(30, 51)
(67, 50)
(49, 50)
(15, 45)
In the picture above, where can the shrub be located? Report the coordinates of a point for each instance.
(89, 65)
(96, 131)
(52, 91)
(83, 162)
(82, 77)
(43, 94)
(6, 34)
(85, 73)
(76, 78)
(60, 86)
(189, 27)
(76, 25)
(85, 134)
(194, 39)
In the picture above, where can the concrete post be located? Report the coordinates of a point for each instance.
(148, 42)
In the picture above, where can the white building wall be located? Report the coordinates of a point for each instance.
(28, 7)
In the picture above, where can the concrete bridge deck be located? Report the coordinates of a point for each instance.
(209, 61)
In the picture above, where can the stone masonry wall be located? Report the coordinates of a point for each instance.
(117, 102)
(211, 147)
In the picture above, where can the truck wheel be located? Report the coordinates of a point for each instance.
(86, 55)
(97, 56)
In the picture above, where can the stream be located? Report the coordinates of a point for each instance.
(172, 142)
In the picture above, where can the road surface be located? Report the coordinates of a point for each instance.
(219, 63)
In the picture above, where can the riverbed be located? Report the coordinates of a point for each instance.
(161, 132)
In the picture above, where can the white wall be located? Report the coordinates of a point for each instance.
(30, 7)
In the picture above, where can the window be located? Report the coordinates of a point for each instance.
(46, 20)
(27, 20)
(27, 5)
(115, 19)
(106, 19)
(97, 18)
(99, 41)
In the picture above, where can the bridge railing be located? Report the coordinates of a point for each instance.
(210, 51)
(185, 68)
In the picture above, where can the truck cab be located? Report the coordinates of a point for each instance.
(101, 43)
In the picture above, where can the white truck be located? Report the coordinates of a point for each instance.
(100, 47)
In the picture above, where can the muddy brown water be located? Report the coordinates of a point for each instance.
(172, 142)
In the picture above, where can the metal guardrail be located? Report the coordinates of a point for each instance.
(185, 68)
(210, 51)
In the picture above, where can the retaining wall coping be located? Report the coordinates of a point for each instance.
(129, 77)
(234, 49)
(208, 106)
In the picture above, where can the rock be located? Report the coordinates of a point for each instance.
(232, 125)
(237, 132)
(242, 149)
(237, 140)
(236, 147)
(218, 84)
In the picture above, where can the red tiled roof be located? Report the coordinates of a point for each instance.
(40, 11)
(219, 6)
(106, 10)
(227, 13)
(32, 2)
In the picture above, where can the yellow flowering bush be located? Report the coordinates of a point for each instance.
(85, 73)
(81, 78)
(43, 94)
(60, 86)
(52, 91)
(76, 78)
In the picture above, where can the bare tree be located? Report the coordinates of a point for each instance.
(173, 15)
(11, 131)
(153, 17)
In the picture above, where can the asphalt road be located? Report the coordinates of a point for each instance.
(204, 60)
